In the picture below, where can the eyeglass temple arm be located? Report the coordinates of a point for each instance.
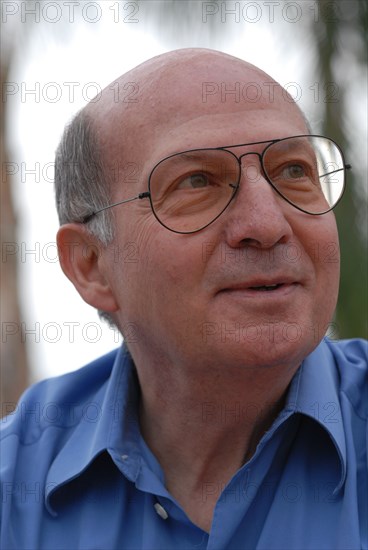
(345, 167)
(87, 218)
(146, 194)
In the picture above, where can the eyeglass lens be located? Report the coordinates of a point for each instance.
(189, 190)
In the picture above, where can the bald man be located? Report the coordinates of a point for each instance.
(200, 223)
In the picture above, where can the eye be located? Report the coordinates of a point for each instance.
(194, 181)
(294, 171)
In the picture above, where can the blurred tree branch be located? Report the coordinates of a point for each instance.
(337, 23)
(14, 365)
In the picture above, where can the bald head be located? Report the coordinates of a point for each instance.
(171, 91)
(166, 76)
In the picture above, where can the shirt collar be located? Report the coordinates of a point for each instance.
(314, 393)
(113, 426)
(108, 422)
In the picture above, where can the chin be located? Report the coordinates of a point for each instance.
(270, 346)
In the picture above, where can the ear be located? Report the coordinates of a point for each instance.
(81, 259)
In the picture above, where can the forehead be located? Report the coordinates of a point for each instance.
(192, 101)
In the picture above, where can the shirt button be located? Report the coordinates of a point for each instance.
(161, 511)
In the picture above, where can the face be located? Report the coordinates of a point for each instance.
(257, 287)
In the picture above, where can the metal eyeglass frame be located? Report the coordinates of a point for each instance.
(147, 194)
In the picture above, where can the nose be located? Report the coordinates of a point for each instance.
(256, 217)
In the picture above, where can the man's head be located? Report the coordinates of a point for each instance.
(206, 298)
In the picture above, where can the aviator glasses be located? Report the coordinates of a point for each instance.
(190, 190)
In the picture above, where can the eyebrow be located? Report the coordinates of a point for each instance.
(188, 155)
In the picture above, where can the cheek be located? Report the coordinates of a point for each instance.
(175, 265)
(328, 276)
(168, 258)
(323, 248)
(130, 269)
(325, 251)
(162, 267)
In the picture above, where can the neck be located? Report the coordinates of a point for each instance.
(203, 428)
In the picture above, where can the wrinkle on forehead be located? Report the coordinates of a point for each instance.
(170, 92)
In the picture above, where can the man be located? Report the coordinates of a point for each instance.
(226, 421)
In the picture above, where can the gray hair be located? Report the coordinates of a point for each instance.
(81, 183)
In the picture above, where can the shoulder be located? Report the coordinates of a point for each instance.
(57, 401)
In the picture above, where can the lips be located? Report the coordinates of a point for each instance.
(261, 283)
(279, 285)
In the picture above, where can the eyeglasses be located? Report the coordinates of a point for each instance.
(190, 190)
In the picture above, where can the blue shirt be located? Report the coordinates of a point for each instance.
(76, 473)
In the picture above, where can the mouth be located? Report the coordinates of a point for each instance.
(261, 288)
(267, 288)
